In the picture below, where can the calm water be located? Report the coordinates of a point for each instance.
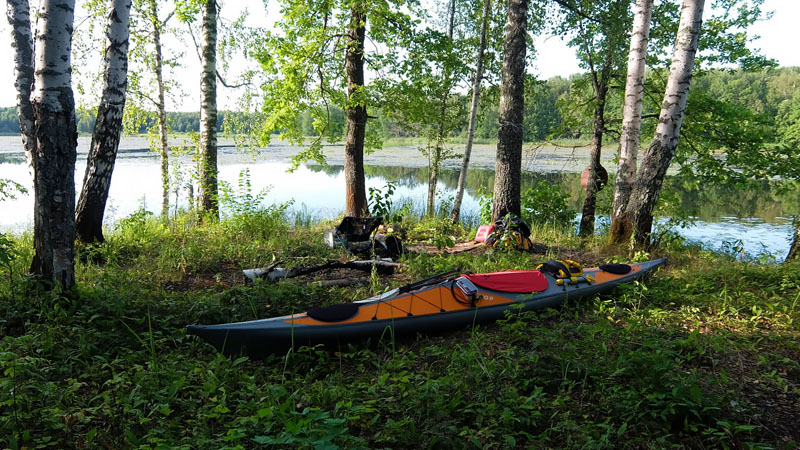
(758, 221)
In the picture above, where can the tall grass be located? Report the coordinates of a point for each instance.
(703, 355)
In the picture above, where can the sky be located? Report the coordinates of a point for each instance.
(778, 37)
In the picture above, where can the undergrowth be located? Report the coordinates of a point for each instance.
(703, 355)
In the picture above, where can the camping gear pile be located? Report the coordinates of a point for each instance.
(360, 236)
(509, 233)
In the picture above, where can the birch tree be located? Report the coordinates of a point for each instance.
(473, 112)
(638, 215)
(208, 195)
(723, 40)
(632, 111)
(54, 138)
(19, 17)
(148, 85)
(151, 6)
(108, 126)
(508, 165)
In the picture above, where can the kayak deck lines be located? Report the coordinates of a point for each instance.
(445, 301)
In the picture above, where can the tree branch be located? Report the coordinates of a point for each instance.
(219, 75)
(569, 6)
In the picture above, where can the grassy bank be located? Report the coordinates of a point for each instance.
(704, 354)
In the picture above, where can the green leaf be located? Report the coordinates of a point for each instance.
(240, 360)
(131, 437)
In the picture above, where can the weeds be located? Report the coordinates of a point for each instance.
(704, 355)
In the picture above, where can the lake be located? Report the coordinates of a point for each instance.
(758, 221)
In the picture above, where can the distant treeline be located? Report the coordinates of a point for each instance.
(761, 92)
(180, 122)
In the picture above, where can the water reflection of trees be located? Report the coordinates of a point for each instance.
(12, 158)
(769, 201)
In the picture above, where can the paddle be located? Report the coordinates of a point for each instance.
(425, 282)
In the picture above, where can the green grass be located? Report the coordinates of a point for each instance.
(703, 355)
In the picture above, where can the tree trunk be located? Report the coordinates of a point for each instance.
(107, 128)
(508, 165)
(355, 190)
(638, 215)
(631, 116)
(435, 162)
(158, 69)
(794, 250)
(19, 17)
(598, 125)
(207, 193)
(473, 113)
(56, 141)
(433, 176)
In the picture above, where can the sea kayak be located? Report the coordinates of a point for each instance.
(443, 302)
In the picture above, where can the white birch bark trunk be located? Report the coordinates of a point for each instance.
(107, 127)
(632, 110)
(56, 140)
(161, 113)
(659, 154)
(207, 195)
(473, 113)
(19, 17)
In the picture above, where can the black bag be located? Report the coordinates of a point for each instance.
(358, 235)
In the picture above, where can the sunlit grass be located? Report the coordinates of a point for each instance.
(703, 355)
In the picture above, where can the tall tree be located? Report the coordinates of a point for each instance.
(600, 84)
(794, 249)
(638, 215)
(151, 8)
(207, 194)
(437, 153)
(54, 138)
(19, 17)
(428, 64)
(355, 189)
(107, 128)
(148, 83)
(508, 165)
(790, 122)
(317, 49)
(632, 112)
(473, 112)
(599, 42)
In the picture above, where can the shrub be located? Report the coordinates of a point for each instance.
(546, 205)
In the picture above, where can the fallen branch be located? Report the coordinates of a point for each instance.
(273, 272)
(252, 274)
